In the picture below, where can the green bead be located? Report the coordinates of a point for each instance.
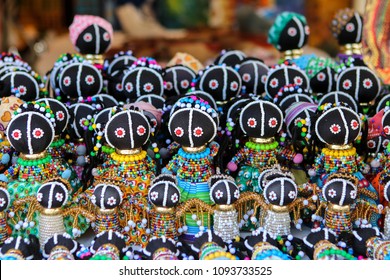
(298, 257)
(158, 156)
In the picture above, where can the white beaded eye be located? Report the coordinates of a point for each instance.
(16, 134)
(321, 77)
(246, 77)
(371, 144)
(350, 27)
(298, 81)
(87, 37)
(234, 86)
(129, 87)
(179, 132)
(120, 132)
(184, 83)
(106, 36)
(148, 87)
(292, 31)
(90, 80)
(252, 122)
(38, 133)
(367, 83)
(213, 84)
(274, 83)
(60, 115)
(198, 131)
(141, 130)
(347, 84)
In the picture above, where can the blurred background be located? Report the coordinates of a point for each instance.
(38, 29)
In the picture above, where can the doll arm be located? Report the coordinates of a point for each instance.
(172, 166)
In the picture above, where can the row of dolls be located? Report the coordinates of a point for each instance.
(128, 145)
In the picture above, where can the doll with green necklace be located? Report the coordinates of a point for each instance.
(30, 132)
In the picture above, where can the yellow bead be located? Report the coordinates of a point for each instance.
(303, 121)
(95, 149)
(155, 150)
(304, 129)
(98, 137)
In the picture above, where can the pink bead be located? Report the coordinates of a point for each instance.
(360, 258)
(298, 158)
(232, 166)
(247, 258)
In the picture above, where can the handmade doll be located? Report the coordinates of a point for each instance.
(107, 197)
(221, 81)
(339, 97)
(347, 27)
(260, 121)
(361, 83)
(108, 245)
(253, 74)
(364, 241)
(129, 167)
(339, 193)
(119, 62)
(193, 125)
(289, 34)
(230, 58)
(282, 75)
(91, 36)
(17, 248)
(177, 80)
(164, 195)
(4, 204)
(8, 105)
(291, 94)
(161, 248)
(338, 127)
(210, 246)
(224, 193)
(318, 240)
(144, 77)
(60, 247)
(262, 247)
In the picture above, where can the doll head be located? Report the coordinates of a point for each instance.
(177, 80)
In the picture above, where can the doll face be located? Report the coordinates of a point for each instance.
(221, 82)
(22, 85)
(377, 144)
(359, 82)
(339, 191)
(52, 195)
(30, 133)
(4, 199)
(80, 80)
(224, 192)
(352, 31)
(177, 80)
(106, 196)
(284, 76)
(142, 81)
(324, 81)
(280, 191)
(120, 63)
(60, 112)
(230, 58)
(164, 194)
(192, 127)
(93, 40)
(253, 74)
(78, 115)
(339, 97)
(261, 119)
(338, 126)
(294, 35)
(127, 130)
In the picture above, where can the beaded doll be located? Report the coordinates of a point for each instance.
(338, 127)
(289, 34)
(193, 124)
(339, 192)
(317, 238)
(130, 166)
(17, 248)
(224, 193)
(177, 80)
(164, 195)
(161, 248)
(347, 27)
(364, 241)
(263, 248)
(260, 121)
(230, 58)
(4, 204)
(253, 74)
(91, 36)
(210, 246)
(108, 245)
(61, 247)
(361, 83)
(107, 198)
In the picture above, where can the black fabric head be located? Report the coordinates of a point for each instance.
(253, 73)
(207, 236)
(223, 190)
(360, 82)
(285, 75)
(155, 100)
(205, 96)
(20, 84)
(324, 81)
(298, 112)
(157, 243)
(338, 126)
(78, 115)
(340, 192)
(4, 199)
(362, 235)
(315, 236)
(337, 97)
(280, 191)
(52, 194)
(386, 191)
(93, 40)
(261, 119)
(30, 133)
(63, 240)
(127, 130)
(120, 61)
(257, 237)
(164, 193)
(114, 85)
(384, 100)
(80, 80)
(177, 80)
(106, 196)
(347, 27)
(60, 112)
(17, 243)
(105, 100)
(230, 58)
(141, 81)
(222, 82)
(109, 237)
